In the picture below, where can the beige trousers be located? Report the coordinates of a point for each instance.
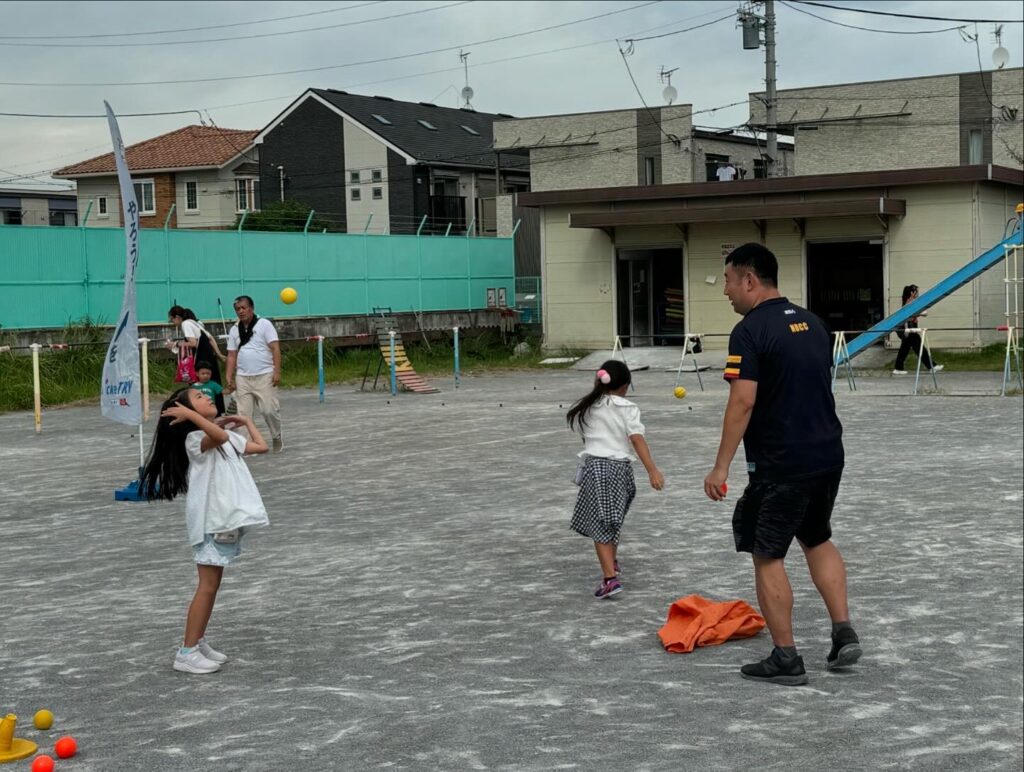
(259, 391)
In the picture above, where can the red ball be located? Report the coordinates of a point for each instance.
(725, 488)
(66, 747)
(42, 764)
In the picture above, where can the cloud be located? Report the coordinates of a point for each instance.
(713, 67)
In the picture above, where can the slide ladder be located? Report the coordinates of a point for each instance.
(926, 300)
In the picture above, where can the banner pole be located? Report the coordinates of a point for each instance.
(145, 378)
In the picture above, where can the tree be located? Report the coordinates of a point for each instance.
(284, 216)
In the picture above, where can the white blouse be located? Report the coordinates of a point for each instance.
(609, 424)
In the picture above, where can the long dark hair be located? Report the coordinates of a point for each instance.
(618, 376)
(165, 474)
(909, 290)
(184, 313)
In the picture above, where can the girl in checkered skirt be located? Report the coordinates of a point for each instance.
(613, 438)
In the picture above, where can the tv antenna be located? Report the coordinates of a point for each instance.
(670, 93)
(467, 91)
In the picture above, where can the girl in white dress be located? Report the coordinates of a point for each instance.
(196, 453)
(613, 437)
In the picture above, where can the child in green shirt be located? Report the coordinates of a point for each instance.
(210, 388)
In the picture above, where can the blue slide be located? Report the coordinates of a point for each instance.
(926, 300)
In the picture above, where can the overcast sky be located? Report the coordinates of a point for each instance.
(713, 68)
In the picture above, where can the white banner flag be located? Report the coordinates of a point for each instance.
(121, 395)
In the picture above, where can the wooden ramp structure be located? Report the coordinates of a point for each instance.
(383, 324)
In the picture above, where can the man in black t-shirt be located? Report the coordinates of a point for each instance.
(781, 406)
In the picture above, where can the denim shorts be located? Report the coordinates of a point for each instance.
(770, 514)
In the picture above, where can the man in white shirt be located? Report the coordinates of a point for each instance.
(255, 354)
(726, 172)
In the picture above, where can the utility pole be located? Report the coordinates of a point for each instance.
(771, 106)
(753, 25)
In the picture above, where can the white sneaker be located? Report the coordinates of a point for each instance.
(899, 372)
(211, 653)
(938, 368)
(194, 662)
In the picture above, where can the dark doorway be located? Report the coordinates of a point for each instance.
(649, 308)
(845, 286)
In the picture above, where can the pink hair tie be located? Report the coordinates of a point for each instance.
(604, 377)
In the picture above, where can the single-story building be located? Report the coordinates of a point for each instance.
(645, 262)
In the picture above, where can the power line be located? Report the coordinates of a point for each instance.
(341, 66)
(189, 29)
(908, 15)
(680, 31)
(100, 115)
(869, 29)
(238, 37)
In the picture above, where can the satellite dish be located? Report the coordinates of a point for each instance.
(1000, 57)
(467, 94)
(670, 94)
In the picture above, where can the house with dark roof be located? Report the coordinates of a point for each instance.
(20, 206)
(193, 177)
(379, 165)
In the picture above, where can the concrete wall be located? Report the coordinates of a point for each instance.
(917, 124)
(994, 206)
(579, 166)
(623, 138)
(1008, 125)
(35, 211)
(363, 154)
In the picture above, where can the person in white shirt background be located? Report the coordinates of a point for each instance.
(254, 367)
(726, 172)
(193, 451)
(613, 437)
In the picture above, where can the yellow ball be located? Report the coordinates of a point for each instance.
(43, 719)
(679, 391)
(289, 296)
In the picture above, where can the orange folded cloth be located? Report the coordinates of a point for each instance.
(695, 621)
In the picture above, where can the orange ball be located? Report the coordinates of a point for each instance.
(66, 747)
(42, 764)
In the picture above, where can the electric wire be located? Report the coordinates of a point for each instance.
(908, 15)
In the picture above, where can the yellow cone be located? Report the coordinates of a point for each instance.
(11, 747)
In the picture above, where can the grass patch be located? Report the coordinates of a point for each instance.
(989, 358)
(72, 375)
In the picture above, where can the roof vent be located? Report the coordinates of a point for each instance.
(428, 104)
(506, 115)
(470, 130)
(427, 125)
(337, 91)
(381, 119)
(386, 99)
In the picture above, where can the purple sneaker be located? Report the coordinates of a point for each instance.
(608, 587)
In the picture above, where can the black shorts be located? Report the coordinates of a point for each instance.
(769, 514)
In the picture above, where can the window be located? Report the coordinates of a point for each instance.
(760, 169)
(427, 125)
(145, 197)
(974, 147)
(191, 196)
(101, 206)
(470, 130)
(353, 177)
(376, 176)
(378, 194)
(648, 171)
(10, 216)
(247, 194)
(61, 217)
(356, 194)
(711, 164)
(381, 119)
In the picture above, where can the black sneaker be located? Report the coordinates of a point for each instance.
(846, 649)
(775, 670)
